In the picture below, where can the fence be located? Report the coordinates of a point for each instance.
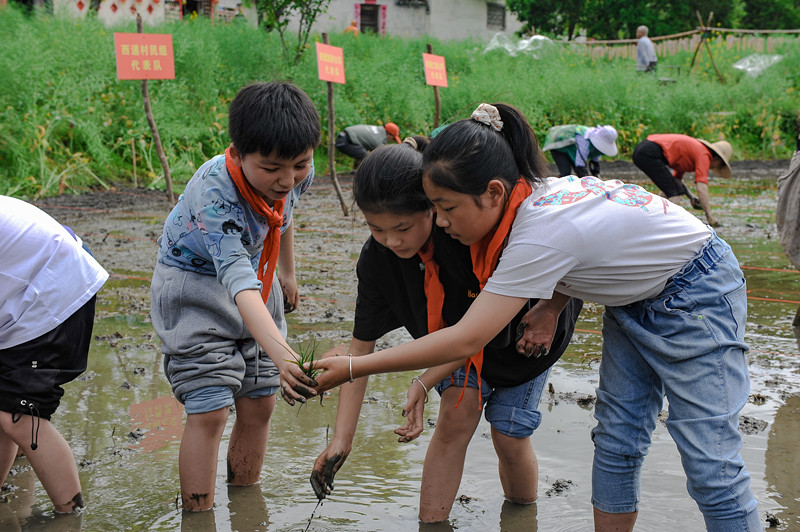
(757, 41)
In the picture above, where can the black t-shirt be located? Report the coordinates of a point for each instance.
(391, 294)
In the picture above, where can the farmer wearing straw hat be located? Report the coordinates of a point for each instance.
(575, 147)
(665, 158)
(357, 141)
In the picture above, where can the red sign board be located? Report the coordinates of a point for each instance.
(330, 63)
(435, 70)
(161, 418)
(144, 56)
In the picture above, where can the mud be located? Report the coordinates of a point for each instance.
(378, 486)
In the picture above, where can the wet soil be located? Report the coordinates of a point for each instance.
(121, 226)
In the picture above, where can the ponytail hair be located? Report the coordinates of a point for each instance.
(468, 154)
(389, 179)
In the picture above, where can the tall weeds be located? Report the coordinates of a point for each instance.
(67, 123)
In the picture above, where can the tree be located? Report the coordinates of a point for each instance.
(275, 15)
(771, 14)
(556, 17)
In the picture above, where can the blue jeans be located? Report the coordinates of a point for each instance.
(213, 398)
(512, 411)
(687, 344)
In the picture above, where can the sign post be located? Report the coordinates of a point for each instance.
(436, 76)
(330, 66)
(147, 56)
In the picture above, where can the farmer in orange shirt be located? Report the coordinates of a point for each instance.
(667, 157)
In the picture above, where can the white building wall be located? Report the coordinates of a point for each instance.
(443, 19)
(447, 19)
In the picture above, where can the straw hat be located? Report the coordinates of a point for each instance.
(604, 138)
(724, 151)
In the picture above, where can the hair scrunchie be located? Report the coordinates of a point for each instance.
(489, 115)
(411, 142)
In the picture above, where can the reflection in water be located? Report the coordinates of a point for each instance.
(515, 517)
(441, 526)
(198, 521)
(783, 462)
(248, 508)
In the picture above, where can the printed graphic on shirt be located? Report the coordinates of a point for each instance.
(616, 191)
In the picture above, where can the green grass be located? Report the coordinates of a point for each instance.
(67, 123)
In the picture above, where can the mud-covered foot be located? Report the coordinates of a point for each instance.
(73, 506)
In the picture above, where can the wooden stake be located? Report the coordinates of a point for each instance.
(150, 120)
(438, 102)
(703, 30)
(133, 155)
(331, 142)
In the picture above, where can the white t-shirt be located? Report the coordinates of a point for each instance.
(45, 274)
(603, 241)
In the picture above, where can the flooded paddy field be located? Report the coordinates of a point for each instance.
(125, 427)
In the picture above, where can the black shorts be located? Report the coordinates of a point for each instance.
(32, 373)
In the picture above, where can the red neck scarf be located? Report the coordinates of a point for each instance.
(485, 255)
(274, 216)
(434, 291)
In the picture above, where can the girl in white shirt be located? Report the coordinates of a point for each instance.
(675, 308)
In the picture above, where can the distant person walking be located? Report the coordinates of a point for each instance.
(666, 158)
(646, 59)
(357, 141)
(575, 148)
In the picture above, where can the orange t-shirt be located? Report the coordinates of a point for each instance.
(685, 154)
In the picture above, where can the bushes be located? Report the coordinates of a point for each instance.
(66, 122)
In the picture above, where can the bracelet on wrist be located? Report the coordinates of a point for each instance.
(417, 379)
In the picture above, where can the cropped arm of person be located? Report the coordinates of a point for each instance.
(286, 270)
(351, 397)
(486, 317)
(295, 384)
(705, 202)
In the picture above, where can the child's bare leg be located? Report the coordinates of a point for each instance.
(52, 461)
(8, 453)
(197, 461)
(444, 461)
(249, 438)
(519, 468)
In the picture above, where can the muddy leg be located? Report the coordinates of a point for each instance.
(197, 461)
(52, 460)
(444, 461)
(249, 438)
(519, 468)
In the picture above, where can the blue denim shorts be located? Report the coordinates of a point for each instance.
(511, 411)
(212, 398)
(687, 344)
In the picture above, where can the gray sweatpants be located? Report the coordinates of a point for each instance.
(204, 339)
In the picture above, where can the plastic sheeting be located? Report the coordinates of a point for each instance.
(754, 64)
(532, 46)
(788, 211)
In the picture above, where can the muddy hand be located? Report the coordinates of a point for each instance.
(322, 481)
(296, 385)
(530, 349)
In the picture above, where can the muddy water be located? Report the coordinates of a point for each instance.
(125, 428)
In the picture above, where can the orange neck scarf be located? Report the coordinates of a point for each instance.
(434, 291)
(274, 216)
(485, 255)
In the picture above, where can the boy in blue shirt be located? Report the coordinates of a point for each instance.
(215, 302)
